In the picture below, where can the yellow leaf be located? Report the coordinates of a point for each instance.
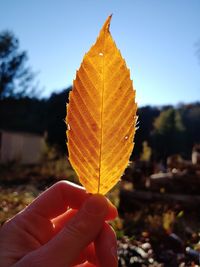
(101, 116)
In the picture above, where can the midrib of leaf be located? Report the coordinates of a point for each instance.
(101, 120)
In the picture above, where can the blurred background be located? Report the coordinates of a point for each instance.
(42, 44)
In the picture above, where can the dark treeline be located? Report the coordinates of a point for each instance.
(40, 116)
(168, 130)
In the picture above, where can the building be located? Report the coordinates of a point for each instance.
(24, 148)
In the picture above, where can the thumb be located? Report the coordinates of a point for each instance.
(81, 230)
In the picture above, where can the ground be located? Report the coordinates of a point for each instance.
(149, 233)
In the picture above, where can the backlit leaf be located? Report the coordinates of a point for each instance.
(101, 116)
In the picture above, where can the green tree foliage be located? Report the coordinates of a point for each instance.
(15, 76)
(169, 134)
(167, 131)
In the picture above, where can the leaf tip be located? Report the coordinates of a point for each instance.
(106, 25)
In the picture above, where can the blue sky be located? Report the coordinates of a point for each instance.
(157, 39)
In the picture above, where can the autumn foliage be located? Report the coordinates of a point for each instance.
(100, 134)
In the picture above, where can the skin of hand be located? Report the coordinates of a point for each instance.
(63, 227)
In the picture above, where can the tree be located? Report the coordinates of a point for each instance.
(169, 133)
(56, 113)
(23, 114)
(146, 116)
(191, 118)
(15, 75)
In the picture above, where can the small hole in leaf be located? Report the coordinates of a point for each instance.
(126, 137)
(101, 54)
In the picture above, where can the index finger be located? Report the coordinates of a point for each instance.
(61, 196)
(58, 198)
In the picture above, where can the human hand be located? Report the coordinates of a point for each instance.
(64, 226)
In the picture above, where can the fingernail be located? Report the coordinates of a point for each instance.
(96, 205)
(114, 254)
